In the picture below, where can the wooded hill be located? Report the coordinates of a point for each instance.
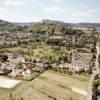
(6, 26)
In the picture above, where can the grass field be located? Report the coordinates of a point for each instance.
(48, 86)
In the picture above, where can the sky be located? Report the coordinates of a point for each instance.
(71, 11)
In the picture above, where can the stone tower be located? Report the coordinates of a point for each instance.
(74, 55)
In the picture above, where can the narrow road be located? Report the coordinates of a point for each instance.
(97, 71)
(90, 85)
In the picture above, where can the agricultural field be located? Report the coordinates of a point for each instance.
(48, 86)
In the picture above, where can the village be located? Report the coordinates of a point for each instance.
(44, 61)
(16, 65)
(49, 49)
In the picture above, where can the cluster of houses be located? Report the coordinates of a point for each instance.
(8, 39)
(16, 66)
(80, 62)
(13, 39)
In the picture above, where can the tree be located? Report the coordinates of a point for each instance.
(3, 58)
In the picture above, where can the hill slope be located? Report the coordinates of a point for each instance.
(7, 26)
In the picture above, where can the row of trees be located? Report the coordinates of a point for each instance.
(96, 88)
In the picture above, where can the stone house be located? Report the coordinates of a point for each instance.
(80, 62)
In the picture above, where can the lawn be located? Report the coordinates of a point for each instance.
(48, 86)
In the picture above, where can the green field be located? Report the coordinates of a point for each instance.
(48, 86)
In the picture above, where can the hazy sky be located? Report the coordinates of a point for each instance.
(64, 10)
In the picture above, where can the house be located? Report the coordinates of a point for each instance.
(89, 45)
(80, 62)
(3, 69)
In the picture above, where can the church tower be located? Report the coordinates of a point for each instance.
(74, 55)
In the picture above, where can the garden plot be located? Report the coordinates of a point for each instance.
(8, 83)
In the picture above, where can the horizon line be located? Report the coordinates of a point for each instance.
(50, 20)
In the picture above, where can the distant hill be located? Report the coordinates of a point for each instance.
(24, 24)
(48, 26)
(89, 25)
(44, 26)
(8, 26)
